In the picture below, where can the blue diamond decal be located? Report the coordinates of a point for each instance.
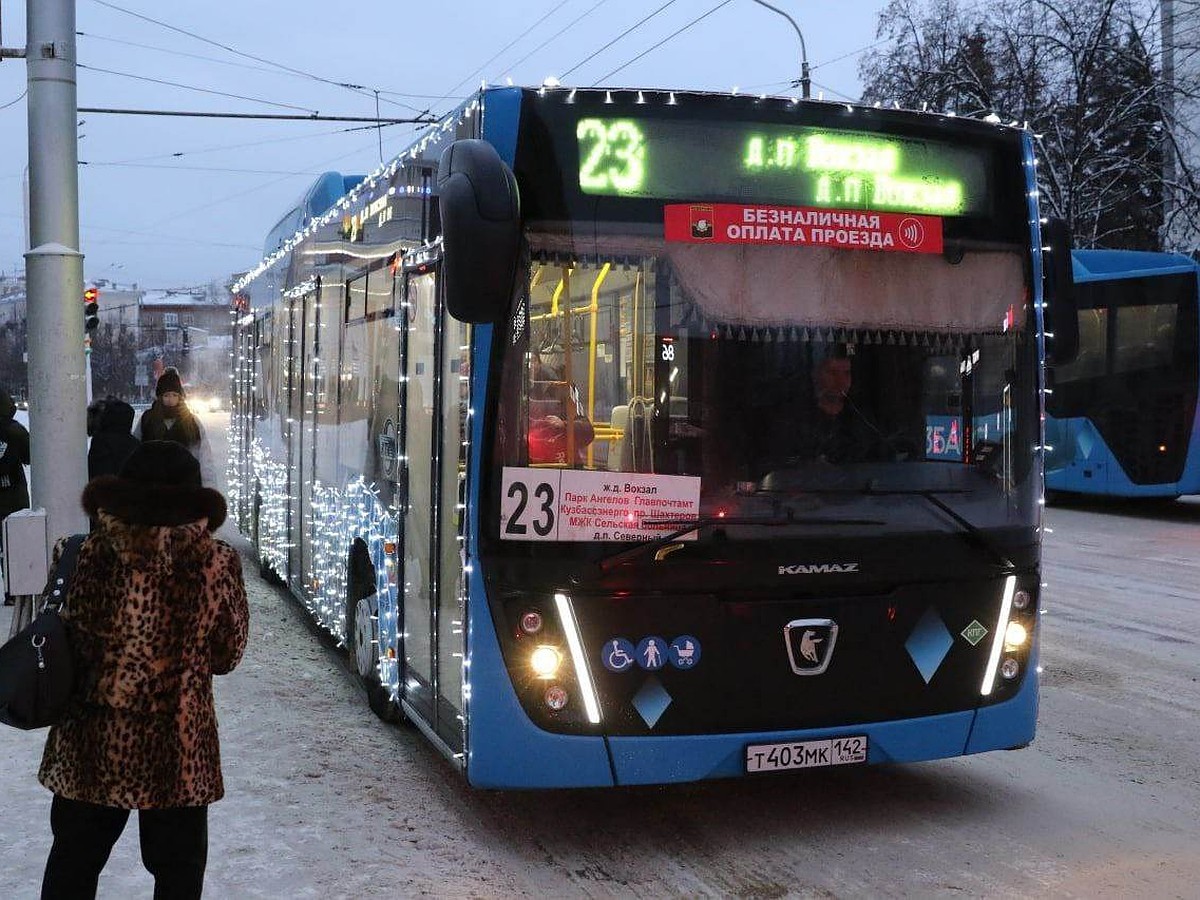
(929, 643)
(651, 701)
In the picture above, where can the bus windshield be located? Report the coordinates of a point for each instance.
(658, 382)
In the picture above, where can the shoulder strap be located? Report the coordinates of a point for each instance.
(59, 583)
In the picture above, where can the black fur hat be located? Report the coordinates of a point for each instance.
(159, 484)
(168, 381)
(162, 462)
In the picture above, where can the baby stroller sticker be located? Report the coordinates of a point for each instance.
(684, 652)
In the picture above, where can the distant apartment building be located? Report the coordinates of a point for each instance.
(183, 317)
(118, 302)
(140, 332)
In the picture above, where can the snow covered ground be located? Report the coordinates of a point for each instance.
(324, 801)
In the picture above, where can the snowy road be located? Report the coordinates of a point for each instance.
(324, 801)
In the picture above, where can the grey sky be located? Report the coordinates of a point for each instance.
(154, 211)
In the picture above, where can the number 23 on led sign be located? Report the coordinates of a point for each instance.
(612, 155)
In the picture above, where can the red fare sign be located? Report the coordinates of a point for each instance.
(802, 226)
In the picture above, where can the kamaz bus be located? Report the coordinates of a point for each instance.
(638, 436)
(1123, 417)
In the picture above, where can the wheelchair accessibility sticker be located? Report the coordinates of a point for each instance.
(617, 655)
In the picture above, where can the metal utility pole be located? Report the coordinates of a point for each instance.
(54, 270)
(805, 82)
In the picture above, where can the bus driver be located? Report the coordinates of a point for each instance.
(835, 431)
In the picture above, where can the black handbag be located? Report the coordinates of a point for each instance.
(37, 673)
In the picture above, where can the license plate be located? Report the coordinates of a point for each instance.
(840, 751)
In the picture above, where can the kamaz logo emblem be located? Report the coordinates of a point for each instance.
(819, 569)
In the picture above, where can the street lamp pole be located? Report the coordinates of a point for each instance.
(805, 83)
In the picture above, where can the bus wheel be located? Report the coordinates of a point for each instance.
(362, 634)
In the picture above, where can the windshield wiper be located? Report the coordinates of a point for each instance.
(606, 563)
(970, 530)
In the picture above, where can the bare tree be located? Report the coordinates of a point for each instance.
(1082, 74)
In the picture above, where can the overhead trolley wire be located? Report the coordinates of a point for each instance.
(84, 162)
(261, 187)
(221, 148)
(558, 33)
(185, 54)
(189, 87)
(669, 37)
(357, 88)
(452, 92)
(627, 31)
(313, 117)
(233, 63)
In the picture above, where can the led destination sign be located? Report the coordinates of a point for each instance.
(806, 166)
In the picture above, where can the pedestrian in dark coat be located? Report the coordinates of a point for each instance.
(170, 419)
(112, 441)
(14, 456)
(156, 608)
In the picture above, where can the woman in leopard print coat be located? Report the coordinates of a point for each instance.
(156, 608)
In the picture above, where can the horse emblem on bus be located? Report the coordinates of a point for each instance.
(809, 644)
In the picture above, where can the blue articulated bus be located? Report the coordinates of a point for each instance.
(1122, 415)
(630, 437)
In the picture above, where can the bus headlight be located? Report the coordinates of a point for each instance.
(1015, 636)
(1012, 639)
(545, 661)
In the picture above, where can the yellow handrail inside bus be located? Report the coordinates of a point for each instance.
(594, 309)
(558, 292)
(568, 334)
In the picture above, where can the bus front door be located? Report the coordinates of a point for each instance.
(433, 436)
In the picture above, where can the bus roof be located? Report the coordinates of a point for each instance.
(321, 202)
(1096, 265)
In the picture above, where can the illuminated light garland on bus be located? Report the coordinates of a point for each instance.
(338, 517)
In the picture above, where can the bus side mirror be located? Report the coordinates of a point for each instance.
(1060, 314)
(481, 231)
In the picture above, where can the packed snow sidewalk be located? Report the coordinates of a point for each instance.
(322, 800)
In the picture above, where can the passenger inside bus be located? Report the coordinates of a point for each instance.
(559, 428)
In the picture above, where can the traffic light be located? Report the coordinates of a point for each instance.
(186, 345)
(91, 309)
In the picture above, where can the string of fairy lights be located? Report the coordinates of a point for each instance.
(343, 513)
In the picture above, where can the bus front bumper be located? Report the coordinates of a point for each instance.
(572, 761)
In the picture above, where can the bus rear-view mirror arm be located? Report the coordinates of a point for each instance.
(481, 231)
